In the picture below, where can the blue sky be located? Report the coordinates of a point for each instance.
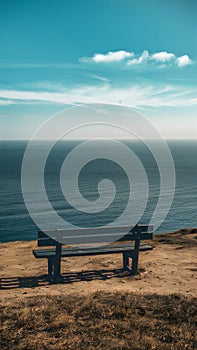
(141, 54)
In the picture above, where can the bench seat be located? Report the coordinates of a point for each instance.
(108, 249)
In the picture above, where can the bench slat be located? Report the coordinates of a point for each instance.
(94, 235)
(108, 249)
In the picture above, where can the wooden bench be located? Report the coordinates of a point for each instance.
(129, 245)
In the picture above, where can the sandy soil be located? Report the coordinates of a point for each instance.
(171, 267)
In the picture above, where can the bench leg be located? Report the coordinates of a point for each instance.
(57, 263)
(134, 268)
(57, 274)
(125, 260)
(134, 256)
(50, 268)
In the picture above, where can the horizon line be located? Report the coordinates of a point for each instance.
(105, 138)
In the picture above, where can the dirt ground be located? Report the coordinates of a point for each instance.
(171, 267)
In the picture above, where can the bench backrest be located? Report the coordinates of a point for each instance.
(94, 235)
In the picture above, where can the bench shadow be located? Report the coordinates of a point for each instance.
(66, 278)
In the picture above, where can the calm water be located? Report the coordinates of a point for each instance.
(16, 224)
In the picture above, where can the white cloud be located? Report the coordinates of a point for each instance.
(111, 56)
(141, 59)
(161, 58)
(183, 60)
(137, 96)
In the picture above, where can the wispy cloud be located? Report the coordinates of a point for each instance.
(47, 65)
(161, 58)
(138, 96)
(6, 102)
(98, 77)
(43, 85)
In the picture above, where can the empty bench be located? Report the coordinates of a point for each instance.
(99, 240)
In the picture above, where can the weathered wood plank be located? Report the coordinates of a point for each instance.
(68, 252)
(94, 235)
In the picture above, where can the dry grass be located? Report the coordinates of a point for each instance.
(186, 237)
(100, 321)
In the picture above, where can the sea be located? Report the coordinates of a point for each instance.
(16, 223)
